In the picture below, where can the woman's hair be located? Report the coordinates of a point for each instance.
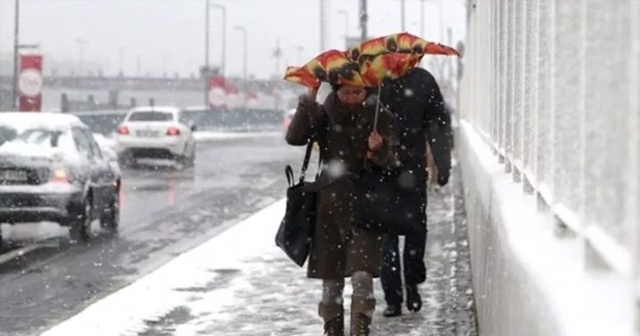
(369, 90)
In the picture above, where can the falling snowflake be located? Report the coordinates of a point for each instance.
(336, 168)
(408, 92)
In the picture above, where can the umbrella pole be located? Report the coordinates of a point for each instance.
(375, 118)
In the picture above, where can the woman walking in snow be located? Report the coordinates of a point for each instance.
(344, 128)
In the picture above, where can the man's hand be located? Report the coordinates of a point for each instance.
(375, 141)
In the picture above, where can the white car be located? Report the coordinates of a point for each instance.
(52, 169)
(156, 132)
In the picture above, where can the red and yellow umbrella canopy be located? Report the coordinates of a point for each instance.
(331, 66)
(369, 63)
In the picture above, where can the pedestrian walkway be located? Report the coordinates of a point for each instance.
(240, 284)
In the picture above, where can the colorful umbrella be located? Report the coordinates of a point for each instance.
(369, 63)
(332, 66)
(391, 56)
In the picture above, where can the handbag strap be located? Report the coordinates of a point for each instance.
(305, 163)
(307, 157)
(307, 154)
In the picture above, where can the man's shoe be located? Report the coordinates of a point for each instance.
(414, 300)
(392, 311)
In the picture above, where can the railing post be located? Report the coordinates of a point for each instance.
(633, 192)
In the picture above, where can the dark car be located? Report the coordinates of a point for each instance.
(53, 170)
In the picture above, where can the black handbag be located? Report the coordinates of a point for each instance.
(384, 206)
(296, 229)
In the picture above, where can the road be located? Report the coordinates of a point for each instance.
(164, 212)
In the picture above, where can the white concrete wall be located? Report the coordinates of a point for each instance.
(549, 147)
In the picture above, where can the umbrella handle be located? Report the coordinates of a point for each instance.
(375, 118)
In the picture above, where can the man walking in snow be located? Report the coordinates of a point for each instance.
(421, 119)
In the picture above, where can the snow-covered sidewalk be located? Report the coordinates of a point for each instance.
(239, 283)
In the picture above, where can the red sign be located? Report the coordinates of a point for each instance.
(30, 83)
(217, 92)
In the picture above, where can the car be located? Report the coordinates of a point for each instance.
(156, 132)
(110, 155)
(52, 169)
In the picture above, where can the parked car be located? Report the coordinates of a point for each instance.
(155, 132)
(53, 170)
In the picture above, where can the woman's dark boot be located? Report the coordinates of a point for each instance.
(361, 313)
(414, 300)
(333, 316)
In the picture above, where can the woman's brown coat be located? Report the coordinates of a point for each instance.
(339, 248)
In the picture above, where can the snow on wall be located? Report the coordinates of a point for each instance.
(549, 146)
(527, 280)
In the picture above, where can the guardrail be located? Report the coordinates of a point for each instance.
(562, 112)
(251, 119)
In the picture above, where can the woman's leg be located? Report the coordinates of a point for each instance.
(363, 303)
(330, 308)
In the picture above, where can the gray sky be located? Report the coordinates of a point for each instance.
(175, 28)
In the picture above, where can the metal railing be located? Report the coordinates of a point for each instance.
(245, 119)
(236, 120)
(553, 87)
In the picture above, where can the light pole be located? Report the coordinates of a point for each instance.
(277, 54)
(364, 17)
(422, 18)
(346, 24)
(402, 19)
(223, 61)
(322, 25)
(205, 72)
(244, 57)
(16, 46)
(81, 44)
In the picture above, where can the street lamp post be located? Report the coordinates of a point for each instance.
(244, 57)
(224, 36)
(364, 17)
(16, 46)
(322, 25)
(277, 54)
(402, 19)
(206, 35)
(422, 18)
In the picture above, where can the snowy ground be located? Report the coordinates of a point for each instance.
(240, 284)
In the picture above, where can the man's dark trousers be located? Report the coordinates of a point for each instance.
(413, 259)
